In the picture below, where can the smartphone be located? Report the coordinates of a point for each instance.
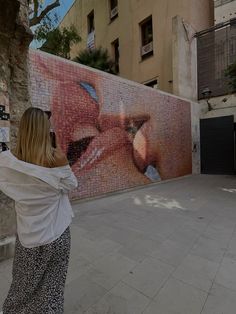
(52, 133)
(53, 139)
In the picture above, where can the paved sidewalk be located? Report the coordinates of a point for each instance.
(168, 248)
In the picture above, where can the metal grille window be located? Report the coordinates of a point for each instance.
(216, 51)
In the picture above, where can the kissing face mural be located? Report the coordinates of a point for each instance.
(117, 134)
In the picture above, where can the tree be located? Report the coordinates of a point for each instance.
(97, 58)
(38, 12)
(58, 41)
(54, 40)
(42, 19)
(230, 73)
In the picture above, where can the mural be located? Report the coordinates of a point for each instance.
(117, 134)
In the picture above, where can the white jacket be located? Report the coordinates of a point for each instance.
(42, 205)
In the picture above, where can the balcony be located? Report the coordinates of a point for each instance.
(91, 40)
(114, 13)
(147, 50)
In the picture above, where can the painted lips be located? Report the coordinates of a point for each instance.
(88, 136)
(102, 146)
(103, 126)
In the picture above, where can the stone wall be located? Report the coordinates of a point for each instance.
(15, 37)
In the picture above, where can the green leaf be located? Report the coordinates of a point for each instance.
(59, 41)
(96, 58)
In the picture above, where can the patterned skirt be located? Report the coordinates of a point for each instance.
(39, 276)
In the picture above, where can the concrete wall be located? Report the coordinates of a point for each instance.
(195, 123)
(184, 46)
(225, 12)
(222, 106)
(199, 14)
(118, 134)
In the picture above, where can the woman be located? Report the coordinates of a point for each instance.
(38, 177)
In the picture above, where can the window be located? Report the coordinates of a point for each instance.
(113, 9)
(153, 84)
(91, 26)
(146, 38)
(116, 53)
(91, 31)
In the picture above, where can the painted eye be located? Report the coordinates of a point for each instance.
(132, 129)
(90, 90)
(134, 125)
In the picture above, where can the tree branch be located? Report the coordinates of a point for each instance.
(37, 19)
(36, 8)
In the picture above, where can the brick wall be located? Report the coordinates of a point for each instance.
(117, 134)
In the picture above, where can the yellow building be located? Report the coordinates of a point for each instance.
(137, 33)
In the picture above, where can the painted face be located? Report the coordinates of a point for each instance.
(95, 143)
(113, 135)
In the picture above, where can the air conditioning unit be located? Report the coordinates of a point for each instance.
(114, 12)
(147, 48)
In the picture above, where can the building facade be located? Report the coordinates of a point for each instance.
(216, 51)
(224, 10)
(137, 33)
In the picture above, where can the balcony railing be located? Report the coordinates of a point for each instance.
(147, 49)
(114, 12)
(91, 40)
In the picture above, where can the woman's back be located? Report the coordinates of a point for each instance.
(41, 198)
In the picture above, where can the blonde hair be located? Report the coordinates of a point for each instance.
(34, 141)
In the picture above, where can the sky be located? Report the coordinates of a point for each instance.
(64, 7)
(61, 12)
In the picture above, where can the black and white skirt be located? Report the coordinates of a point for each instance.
(39, 276)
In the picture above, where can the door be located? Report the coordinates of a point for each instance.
(217, 145)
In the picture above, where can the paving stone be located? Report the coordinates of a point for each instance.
(80, 294)
(177, 297)
(220, 301)
(121, 300)
(197, 271)
(149, 276)
(226, 275)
